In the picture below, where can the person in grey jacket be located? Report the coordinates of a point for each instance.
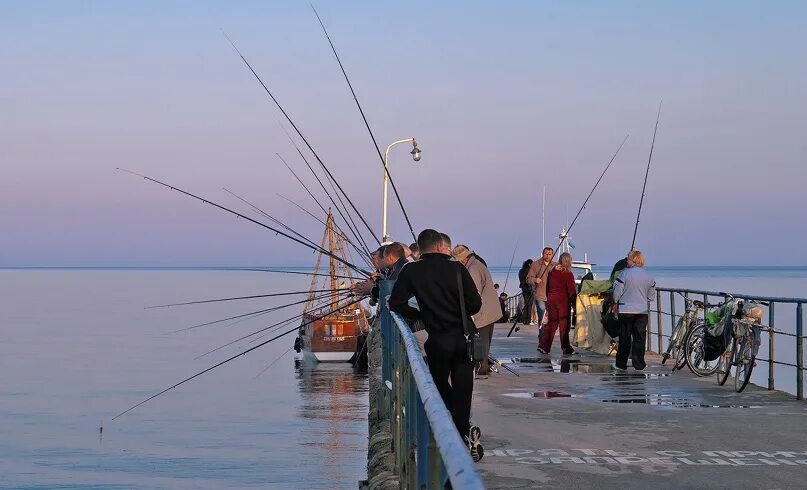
(634, 289)
(491, 309)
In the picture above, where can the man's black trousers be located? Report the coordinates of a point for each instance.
(632, 336)
(447, 358)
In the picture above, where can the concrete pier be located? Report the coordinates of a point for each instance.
(574, 422)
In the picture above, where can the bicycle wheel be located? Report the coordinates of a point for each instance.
(693, 345)
(726, 361)
(745, 364)
(676, 344)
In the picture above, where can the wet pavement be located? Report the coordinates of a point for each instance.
(574, 422)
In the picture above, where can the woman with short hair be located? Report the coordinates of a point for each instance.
(561, 292)
(634, 289)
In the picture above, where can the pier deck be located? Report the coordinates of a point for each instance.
(573, 422)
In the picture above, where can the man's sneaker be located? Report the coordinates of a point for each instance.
(473, 439)
(620, 369)
(542, 351)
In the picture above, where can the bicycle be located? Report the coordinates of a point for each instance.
(676, 348)
(693, 345)
(745, 333)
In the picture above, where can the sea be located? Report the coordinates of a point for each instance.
(79, 346)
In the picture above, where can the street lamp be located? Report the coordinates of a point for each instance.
(416, 157)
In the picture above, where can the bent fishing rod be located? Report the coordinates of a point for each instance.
(278, 271)
(322, 302)
(240, 215)
(366, 124)
(221, 363)
(300, 134)
(347, 218)
(328, 302)
(646, 173)
(257, 312)
(365, 251)
(270, 217)
(531, 298)
(343, 212)
(234, 298)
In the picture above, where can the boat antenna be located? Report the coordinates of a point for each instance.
(510, 267)
(225, 362)
(366, 124)
(300, 134)
(646, 173)
(528, 303)
(240, 215)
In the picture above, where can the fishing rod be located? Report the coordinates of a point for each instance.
(261, 311)
(497, 362)
(349, 222)
(531, 298)
(292, 272)
(270, 217)
(240, 215)
(364, 252)
(299, 133)
(510, 267)
(217, 365)
(332, 304)
(646, 173)
(366, 124)
(243, 297)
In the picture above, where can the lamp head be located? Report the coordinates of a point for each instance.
(415, 151)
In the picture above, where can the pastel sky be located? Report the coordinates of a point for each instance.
(503, 97)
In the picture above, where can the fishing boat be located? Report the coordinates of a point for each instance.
(331, 330)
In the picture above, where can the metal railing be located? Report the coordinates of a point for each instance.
(429, 451)
(797, 334)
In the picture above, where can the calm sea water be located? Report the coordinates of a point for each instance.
(77, 347)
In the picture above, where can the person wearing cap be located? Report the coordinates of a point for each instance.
(491, 309)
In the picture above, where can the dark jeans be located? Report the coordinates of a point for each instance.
(632, 336)
(486, 334)
(526, 308)
(447, 359)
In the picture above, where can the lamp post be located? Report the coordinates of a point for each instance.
(416, 157)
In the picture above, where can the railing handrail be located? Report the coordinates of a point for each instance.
(459, 466)
(752, 297)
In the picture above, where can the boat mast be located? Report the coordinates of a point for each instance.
(332, 263)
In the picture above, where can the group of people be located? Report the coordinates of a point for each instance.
(434, 284)
(444, 289)
(548, 290)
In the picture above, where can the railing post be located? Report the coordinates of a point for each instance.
(771, 316)
(672, 310)
(799, 353)
(659, 321)
(384, 289)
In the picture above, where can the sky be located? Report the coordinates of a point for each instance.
(504, 98)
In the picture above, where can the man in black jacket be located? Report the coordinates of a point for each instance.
(432, 280)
